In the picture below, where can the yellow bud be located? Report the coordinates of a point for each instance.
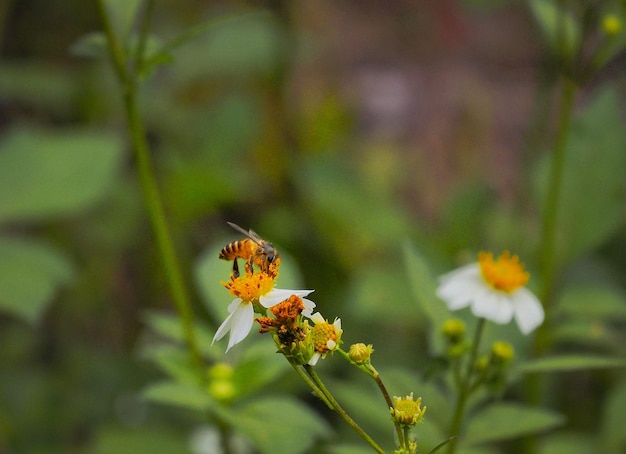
(453, 329)
(220, 371)
(222, 390)
(502, 352)
(611, 24)
(360, 353)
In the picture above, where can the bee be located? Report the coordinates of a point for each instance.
(254, 249)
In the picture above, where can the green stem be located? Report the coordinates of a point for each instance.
(548, 249)
(373, 373)
(225, 431)
(312, 385)
(335, 406)
(146, 25)
(465, 389)
(551, 208)
(151, 193)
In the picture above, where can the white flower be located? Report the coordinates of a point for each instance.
(241, 313)
(494, 290)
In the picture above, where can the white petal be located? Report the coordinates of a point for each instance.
(460, 288)
(473, 269)
(528, 310)
(225, 326)
(223, 329)
(278, 295)
(493, 305)
(308, 307)
(314, 359)
(317, 318)
(241, 324)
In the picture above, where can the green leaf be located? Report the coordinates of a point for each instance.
(30, 274)
(179, 394)
(174, 361)
(613, 434)
(110, 439)
(554, 22)
(264, 422)
(568, 363)
(424, 286)
(570, 443)
(505, 421)
(589, 302)
(169, 326)
(123, 14)
(379, 291)
(349, 449)
(598, 336)
(93, 45)
(46, 174)
(591, 204)
(257, 368)
(58, 90)
(213, 24)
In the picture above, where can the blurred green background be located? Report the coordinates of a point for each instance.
(376, 144)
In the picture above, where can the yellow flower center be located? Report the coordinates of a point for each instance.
(407, 411)
(321, 334)
(506, 273)
(250, 287)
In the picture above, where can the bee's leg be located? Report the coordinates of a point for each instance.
(249, 268)
(235, 269)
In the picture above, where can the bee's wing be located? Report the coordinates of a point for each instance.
(250, 234)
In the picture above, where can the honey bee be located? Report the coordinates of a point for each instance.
(254, 249)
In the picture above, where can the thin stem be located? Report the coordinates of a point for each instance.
(465, 389)
(151, 193)
(225, 431)
(373, 373)
(548, 250)
(335, 405)
(312, 385)
(118, 57)
(551, 208)
(146, 24)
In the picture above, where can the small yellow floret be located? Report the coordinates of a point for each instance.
(407, 411)
(250, 287)
(505, 274)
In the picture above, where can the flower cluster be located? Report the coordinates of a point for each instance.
(254, 292)
(284, 313)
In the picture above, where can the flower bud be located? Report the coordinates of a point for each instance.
(611, 25)
(502, 352)
(360, 353)
(453, 329)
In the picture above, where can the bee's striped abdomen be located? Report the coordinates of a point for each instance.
(237, 249)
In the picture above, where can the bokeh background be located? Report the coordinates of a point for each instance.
(354, 135)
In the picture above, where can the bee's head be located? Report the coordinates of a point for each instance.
(270, 252)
